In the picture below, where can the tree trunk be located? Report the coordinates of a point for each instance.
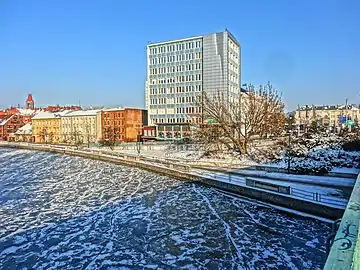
(244, 147)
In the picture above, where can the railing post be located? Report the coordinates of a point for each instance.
(329, 242)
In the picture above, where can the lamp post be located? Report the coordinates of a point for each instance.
(289, 143)
(138, 143)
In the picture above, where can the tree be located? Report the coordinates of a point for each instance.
(65, 138)
(76, 137)
(239, 119)
(315, 126)
(110, 136)
(44, 134)
(88, 136)
(51, 137)
(211, 137)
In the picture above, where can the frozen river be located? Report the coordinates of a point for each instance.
(62, 212)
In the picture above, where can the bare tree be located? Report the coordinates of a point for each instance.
(210, 137)
(87, 134)
(65, 138)
(51, 137)
(76, 137)
(238, 119)
(44, 134)
(109, 138)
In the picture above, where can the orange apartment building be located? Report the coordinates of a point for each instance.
(123, 125)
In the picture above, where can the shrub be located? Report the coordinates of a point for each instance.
(351, 145)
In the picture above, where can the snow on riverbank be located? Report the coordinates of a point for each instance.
(166, 152)
(315, 159)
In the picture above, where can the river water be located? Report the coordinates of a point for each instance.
(63, 212)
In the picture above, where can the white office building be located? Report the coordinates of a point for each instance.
(179, 70)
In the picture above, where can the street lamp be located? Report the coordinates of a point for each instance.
(138, 143)
(289, 142)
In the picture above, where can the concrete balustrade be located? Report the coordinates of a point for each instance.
(345, 251)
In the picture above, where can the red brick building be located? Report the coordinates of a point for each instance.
(9, 125)
(123, 125)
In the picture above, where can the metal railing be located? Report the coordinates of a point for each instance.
(296, 192)
(317, 197)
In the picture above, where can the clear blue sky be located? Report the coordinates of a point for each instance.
(64, 51)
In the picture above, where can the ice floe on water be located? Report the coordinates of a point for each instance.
(62, 212)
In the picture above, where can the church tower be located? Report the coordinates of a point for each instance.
(29, 104)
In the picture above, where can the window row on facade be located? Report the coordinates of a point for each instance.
(113, 114)
(109, 127)
(233, 57)
(233, 67)
(177, 100)
(78, 119)
(78, 125)
(177, 68)
(188, 110)
(179, 79)
(116, 123)
(175, 58)
(183, 45)
(233, 78)
(178, 89)
(194, 120)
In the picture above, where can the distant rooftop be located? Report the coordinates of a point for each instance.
(44, 115)
(330, 107)
(122, 109)
(82, 113)
(191, 38)
(26, 111)
(4, 121)
(26, 130)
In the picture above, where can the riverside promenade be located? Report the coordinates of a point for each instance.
(262, 191)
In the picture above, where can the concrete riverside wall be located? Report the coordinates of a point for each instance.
(181, 172)
(277, 199)
(345, 251)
